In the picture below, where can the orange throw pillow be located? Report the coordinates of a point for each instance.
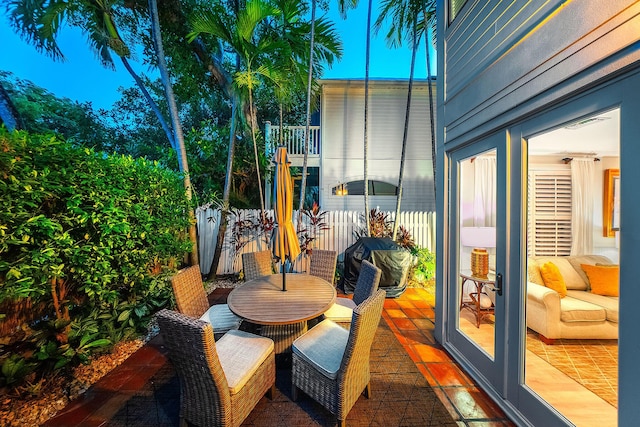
(604, 279)
(553, 279)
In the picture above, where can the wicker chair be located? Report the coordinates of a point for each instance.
(220, 382)
(367, 285)
(331, 364)
(257, 264)
(192, 301)
(323, 264)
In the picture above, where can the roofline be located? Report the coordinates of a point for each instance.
(374, 81)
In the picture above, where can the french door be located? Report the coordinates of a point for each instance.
(475, 280)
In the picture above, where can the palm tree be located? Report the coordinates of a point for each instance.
(40, 22)
(175, 121)
(407, 22)
(241, 34)
(343, 7)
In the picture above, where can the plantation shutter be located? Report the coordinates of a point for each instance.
(549, 227)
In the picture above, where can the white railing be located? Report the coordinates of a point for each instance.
(293, 139)
(339, 235)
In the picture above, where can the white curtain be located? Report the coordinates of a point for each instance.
(582, 181)
(484, 209)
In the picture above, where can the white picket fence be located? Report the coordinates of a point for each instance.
(342, 226)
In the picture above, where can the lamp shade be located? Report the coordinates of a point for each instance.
(483, 237)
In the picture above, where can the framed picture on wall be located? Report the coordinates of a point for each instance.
(611, 202)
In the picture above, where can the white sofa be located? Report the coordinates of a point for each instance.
(579, 315)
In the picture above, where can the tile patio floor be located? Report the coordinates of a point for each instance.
(410, 317)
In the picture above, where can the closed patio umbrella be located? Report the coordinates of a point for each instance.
(284, 239)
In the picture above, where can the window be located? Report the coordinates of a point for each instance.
(356, 188)
(454, 8)
(549, 228)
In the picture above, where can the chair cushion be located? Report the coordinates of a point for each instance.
(574, 310)
(323, 347)
(341, 311)
(221, 318)
(241, 354)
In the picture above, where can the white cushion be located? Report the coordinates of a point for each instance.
(575, 310)
(323, 347)
(610, 304)
(341, 311)
(241, 354)
(221, 318)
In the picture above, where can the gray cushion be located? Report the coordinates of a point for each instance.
(323, 347)
(221, 318)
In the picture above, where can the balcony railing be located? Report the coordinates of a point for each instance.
(293, 139)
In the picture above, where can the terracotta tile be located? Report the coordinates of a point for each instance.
(415, 357)
(424, 324)
(426, 374)
(406, 304)
(485, 424)
(448, 374)
(417, 337)
(447, 404)
(428, 353)
(422, 304)
(413, 313)
(473, 403)
(147, 356)
(390, 303)
(396, 313)
(404, 324)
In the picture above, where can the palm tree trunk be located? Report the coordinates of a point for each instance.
(151, 102)
(405, 133)
(228, 182)
(255, 153)
(224, 212)
(175, 121)
(431, 119)
(366, 114)
(303, 182)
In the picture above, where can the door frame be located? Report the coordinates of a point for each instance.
(456, 342)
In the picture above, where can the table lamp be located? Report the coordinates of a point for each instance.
(480, 239)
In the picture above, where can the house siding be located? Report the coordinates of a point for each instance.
(342, 123)
(506, 65)
(499, 55)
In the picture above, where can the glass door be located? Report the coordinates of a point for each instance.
(475, 282)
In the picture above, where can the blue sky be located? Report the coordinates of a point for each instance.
(81, 77)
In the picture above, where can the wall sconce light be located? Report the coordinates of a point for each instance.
(341, 190)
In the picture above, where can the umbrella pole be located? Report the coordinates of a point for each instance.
(284, 276)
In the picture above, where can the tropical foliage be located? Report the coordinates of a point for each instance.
(86, 241)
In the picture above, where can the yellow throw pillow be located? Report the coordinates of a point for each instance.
(604, 279)
(553, 279)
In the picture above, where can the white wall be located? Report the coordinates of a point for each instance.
(342, 124)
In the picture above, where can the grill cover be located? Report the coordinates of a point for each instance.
(384, 253)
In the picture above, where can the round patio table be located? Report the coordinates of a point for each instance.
(263, 301)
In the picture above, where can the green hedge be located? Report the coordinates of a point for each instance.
(86, 243)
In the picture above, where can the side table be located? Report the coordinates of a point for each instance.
(474, 304)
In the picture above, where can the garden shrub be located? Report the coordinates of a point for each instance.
(86, 243)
